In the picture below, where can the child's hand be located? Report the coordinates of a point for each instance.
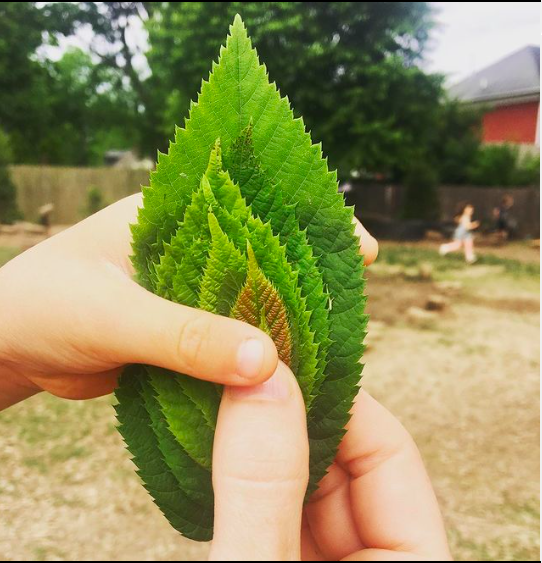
(375, 504)
(71, 316)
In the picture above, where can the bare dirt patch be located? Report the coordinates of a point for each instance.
(467, 388)
(465, 385)
(25, 235)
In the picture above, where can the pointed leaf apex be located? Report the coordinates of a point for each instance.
(208, 191)
(238, 22)
(215, 160)
(252, 262)
(214, 226)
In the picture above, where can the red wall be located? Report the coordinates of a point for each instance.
(515, 124)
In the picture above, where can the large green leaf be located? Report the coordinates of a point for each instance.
(243, 218)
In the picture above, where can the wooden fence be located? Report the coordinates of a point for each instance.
(384, 203)
(67, 188)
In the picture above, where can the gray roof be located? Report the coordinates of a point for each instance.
(517, 75)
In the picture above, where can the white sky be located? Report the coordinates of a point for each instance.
(468, 36)
(472, 35)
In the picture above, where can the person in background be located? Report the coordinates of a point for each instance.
(463, 233)
(505, 224)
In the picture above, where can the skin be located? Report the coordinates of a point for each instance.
(469, 210)
(72, 317)
(375, 504)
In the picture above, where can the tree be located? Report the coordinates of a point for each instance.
(91, 108)
(421, 198)
(110, 22)
(455, 141)
(24, 28)
(503, 165)
(60, 112)
(348, 67)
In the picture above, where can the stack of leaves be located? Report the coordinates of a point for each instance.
(243, 219)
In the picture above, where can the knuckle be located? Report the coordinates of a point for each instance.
(192, 341)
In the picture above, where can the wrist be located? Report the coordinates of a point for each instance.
(14, 387)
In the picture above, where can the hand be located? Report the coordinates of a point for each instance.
(375, 504)
(71, 317)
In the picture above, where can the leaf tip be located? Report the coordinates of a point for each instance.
(238, 21)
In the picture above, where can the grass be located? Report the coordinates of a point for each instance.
(7, 253)
(412, 256)
(499, 549)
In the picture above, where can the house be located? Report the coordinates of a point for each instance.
(127, 159)
(509, 93)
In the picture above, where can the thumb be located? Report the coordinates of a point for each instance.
(260, 471)
(144, 328)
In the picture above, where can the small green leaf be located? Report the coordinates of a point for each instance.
(224, 273)
(260, 304)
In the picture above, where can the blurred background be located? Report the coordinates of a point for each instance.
(421, 107)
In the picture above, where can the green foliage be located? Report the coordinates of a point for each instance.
(355, 79)
(243, 218)
(412, 256)
(528, 170)
(111, 23)
(502, 165)
(353, 76)
(92, 109)
(456, 141)
(95, 201)
(444, 151)
(23, 80)
(70, 110)
(9, 211)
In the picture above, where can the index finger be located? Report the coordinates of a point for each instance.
(368, 244)
(393, 504)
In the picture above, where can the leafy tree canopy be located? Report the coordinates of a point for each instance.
(352, 69)
(348, 68)
(67, 111)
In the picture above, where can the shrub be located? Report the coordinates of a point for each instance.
(528, 171)
(9, 211)
(95, 201)
(502, 165)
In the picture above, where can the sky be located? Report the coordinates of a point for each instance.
(471, 35)
(467, 37)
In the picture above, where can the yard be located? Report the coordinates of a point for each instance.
(464, 380)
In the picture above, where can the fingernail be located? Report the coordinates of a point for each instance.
(276, 388)
(250, 358)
